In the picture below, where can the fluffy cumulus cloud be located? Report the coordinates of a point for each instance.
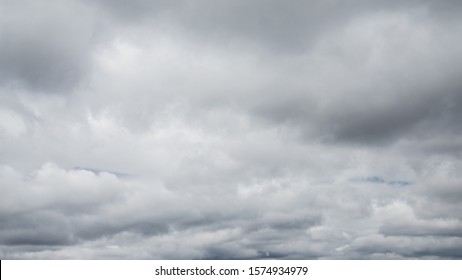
(230, 129)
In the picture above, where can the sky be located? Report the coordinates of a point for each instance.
(230, 129)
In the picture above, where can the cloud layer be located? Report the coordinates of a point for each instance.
(230, 129)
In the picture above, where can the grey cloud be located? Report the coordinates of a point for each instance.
(425, 228)
(232, 130)
(45, 45)
(381, 246)
(137, 9)
(281, 27)
(36, 229)
(385, 85)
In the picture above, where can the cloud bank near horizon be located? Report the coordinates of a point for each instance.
(230, 129)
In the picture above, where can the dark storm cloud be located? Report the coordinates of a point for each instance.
(36, 229)
(45, 45)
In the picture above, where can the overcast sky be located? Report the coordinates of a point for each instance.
(230, 129)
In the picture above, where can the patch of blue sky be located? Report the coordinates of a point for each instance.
(381, 180)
